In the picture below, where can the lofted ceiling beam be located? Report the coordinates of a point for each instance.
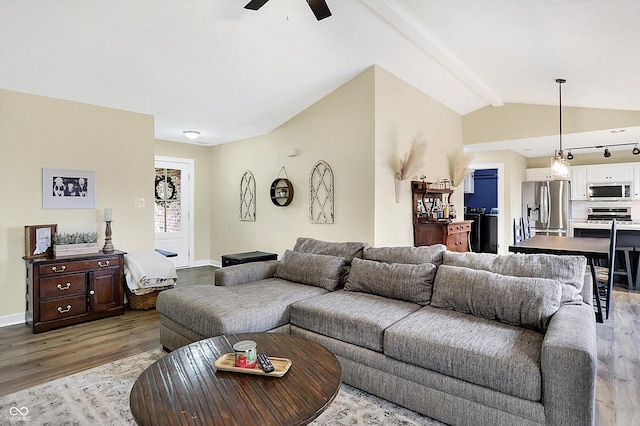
(396, 16)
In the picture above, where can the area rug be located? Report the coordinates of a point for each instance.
(100, 396)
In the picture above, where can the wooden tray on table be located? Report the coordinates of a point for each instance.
(227, 362)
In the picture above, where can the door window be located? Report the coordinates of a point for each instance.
(168, 217)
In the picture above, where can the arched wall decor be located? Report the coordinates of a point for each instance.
(321, 193)
(248, 197)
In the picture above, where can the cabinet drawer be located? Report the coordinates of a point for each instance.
(455, 228)
(78, 265)
(63, 285)
(55, 309)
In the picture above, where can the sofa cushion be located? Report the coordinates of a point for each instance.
(252, 307)
(488, 353)
(411, 283)
(569, 270)
(348, 250)
(415, 255)
(356, 318)
(314, 269)
(528, 302)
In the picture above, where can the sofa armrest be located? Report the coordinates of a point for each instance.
(569, 362)
(245, 273)
(587, 289)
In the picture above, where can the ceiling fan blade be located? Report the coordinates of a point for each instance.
(319, 8)
(255, 4)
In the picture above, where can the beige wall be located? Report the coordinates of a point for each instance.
(201, 155)
(37, 132)
(514, 168)
(403, 113)
(338, 129)
(517, 121)
(358, 129)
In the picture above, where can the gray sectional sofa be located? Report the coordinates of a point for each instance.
(465, 338)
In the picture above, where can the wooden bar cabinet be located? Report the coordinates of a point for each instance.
(426, 231)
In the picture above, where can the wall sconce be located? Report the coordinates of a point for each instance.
(635, 151)
(607, 154)
(569, 155)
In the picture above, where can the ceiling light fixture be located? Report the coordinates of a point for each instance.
(559, 164)
(607, 153)
(191, 134)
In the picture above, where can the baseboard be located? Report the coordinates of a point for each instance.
(13, 319)
(206, 262)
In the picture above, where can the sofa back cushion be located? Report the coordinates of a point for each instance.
(569, 270)
(312, 269)
(347, 250)
(411, 283)
(412, 255)
(527, 302)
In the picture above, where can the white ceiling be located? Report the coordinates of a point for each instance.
(232, 73)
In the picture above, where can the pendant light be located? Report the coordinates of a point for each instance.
(559, 163)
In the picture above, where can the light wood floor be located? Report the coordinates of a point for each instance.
(28, 359)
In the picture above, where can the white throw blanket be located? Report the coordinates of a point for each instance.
(149, 271)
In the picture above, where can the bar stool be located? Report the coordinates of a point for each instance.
(627, 269)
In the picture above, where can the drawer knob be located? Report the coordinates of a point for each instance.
(103, 265)
(55, 268)
(66, 287)
(64, 311)
(92, 292)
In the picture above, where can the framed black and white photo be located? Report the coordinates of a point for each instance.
(68, 189)
(38, 240)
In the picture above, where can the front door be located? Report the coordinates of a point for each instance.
(173, 222)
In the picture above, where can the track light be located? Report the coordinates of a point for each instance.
(607, 154)
(570, 155)
(635, 151)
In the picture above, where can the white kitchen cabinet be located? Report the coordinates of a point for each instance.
(539, 174)
(579, 182)
(469, 183)
(610, 173)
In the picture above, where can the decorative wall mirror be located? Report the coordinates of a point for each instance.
(321, 193)
(248, 197)
(281, 190)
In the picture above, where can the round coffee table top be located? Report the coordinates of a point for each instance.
(184, 387)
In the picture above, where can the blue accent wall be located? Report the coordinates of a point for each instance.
(485, 193)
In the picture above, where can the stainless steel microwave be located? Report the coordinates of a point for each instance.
(610, 191)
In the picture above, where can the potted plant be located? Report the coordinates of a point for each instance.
(75, 243)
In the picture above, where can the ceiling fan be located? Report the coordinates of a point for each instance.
(319, 7)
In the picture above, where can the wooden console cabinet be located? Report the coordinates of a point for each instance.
(74, 289)
(454, 234)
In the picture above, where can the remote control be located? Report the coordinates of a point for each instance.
(265, 363)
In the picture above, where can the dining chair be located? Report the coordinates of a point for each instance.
(526, 228)
(605, 275)
(517, 230)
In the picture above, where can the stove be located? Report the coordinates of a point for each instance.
(607, 214)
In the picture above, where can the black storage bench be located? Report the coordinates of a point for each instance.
(250, 256)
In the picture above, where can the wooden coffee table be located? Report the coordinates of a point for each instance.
(184, 388)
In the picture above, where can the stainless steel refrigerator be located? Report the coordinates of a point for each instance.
(547, 205)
